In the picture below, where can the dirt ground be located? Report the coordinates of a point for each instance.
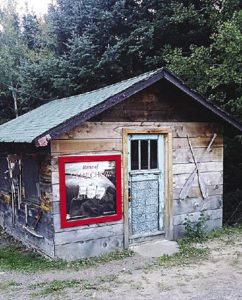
(218, 276)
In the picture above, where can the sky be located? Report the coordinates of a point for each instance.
(38, 6)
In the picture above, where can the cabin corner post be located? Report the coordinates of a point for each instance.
(125, 188)
(168, 186)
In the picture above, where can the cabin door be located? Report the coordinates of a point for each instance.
(146, 185)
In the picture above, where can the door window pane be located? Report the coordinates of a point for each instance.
(144, 154)
(134, 155)
(153, 154)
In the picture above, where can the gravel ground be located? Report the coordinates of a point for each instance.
(217, 277)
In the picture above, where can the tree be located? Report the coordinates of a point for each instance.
(11, 52)
(215, 70)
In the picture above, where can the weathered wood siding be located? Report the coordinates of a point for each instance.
(106, 137)
(41, 205)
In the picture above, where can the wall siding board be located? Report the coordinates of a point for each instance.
(89, 248)
(194, 216)
(80, 235)
(198, 204)
(203, 167)
(210, 178)
(56, 221)
(96, 130)
(196, 193)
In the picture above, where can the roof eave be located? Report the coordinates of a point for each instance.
(200, 99)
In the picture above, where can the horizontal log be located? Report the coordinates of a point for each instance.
(57, 228)
(209, 178)
(81, 235)
(195, 192)
(79, 250)
(196, 142)
(203, 167)
(193, 217)
(113, 130)
(185, 156)
(76, 146)
(197, 204)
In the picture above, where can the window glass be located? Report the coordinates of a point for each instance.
(31, 180)
(134, 155)
(153, 154)
(144, 154)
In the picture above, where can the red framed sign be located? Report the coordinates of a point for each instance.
(90, 189)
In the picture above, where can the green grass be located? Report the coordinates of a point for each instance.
(188, 253)
(19, 259)
(4, 285)
(225, 231)
(190, 250)
(46, 288)
(14, 258)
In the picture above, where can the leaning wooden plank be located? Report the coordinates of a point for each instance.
(190, 179)
(197, 170)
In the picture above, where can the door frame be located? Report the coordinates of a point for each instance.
(168, 220)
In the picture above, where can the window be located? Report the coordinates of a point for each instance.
(90, 189)
(30, 173)
(144, 154)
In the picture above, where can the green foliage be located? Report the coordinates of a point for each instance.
(83, 45)
(47, 288)
(225, 232)
(192, 250)
(195, 231)
(18, 258)
(214, 70)
(188, 253)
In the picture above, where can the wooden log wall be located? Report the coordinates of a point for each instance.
(40, 205)
(106, 137)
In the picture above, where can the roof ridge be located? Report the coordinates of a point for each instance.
(110, 85)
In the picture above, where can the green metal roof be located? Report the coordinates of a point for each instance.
(59, 116)
(26, 128)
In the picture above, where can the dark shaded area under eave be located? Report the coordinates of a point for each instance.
(16, 148)
(182, 108)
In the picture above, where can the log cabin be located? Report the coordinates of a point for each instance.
(98, 172)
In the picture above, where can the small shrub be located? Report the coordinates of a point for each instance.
(196, 231)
